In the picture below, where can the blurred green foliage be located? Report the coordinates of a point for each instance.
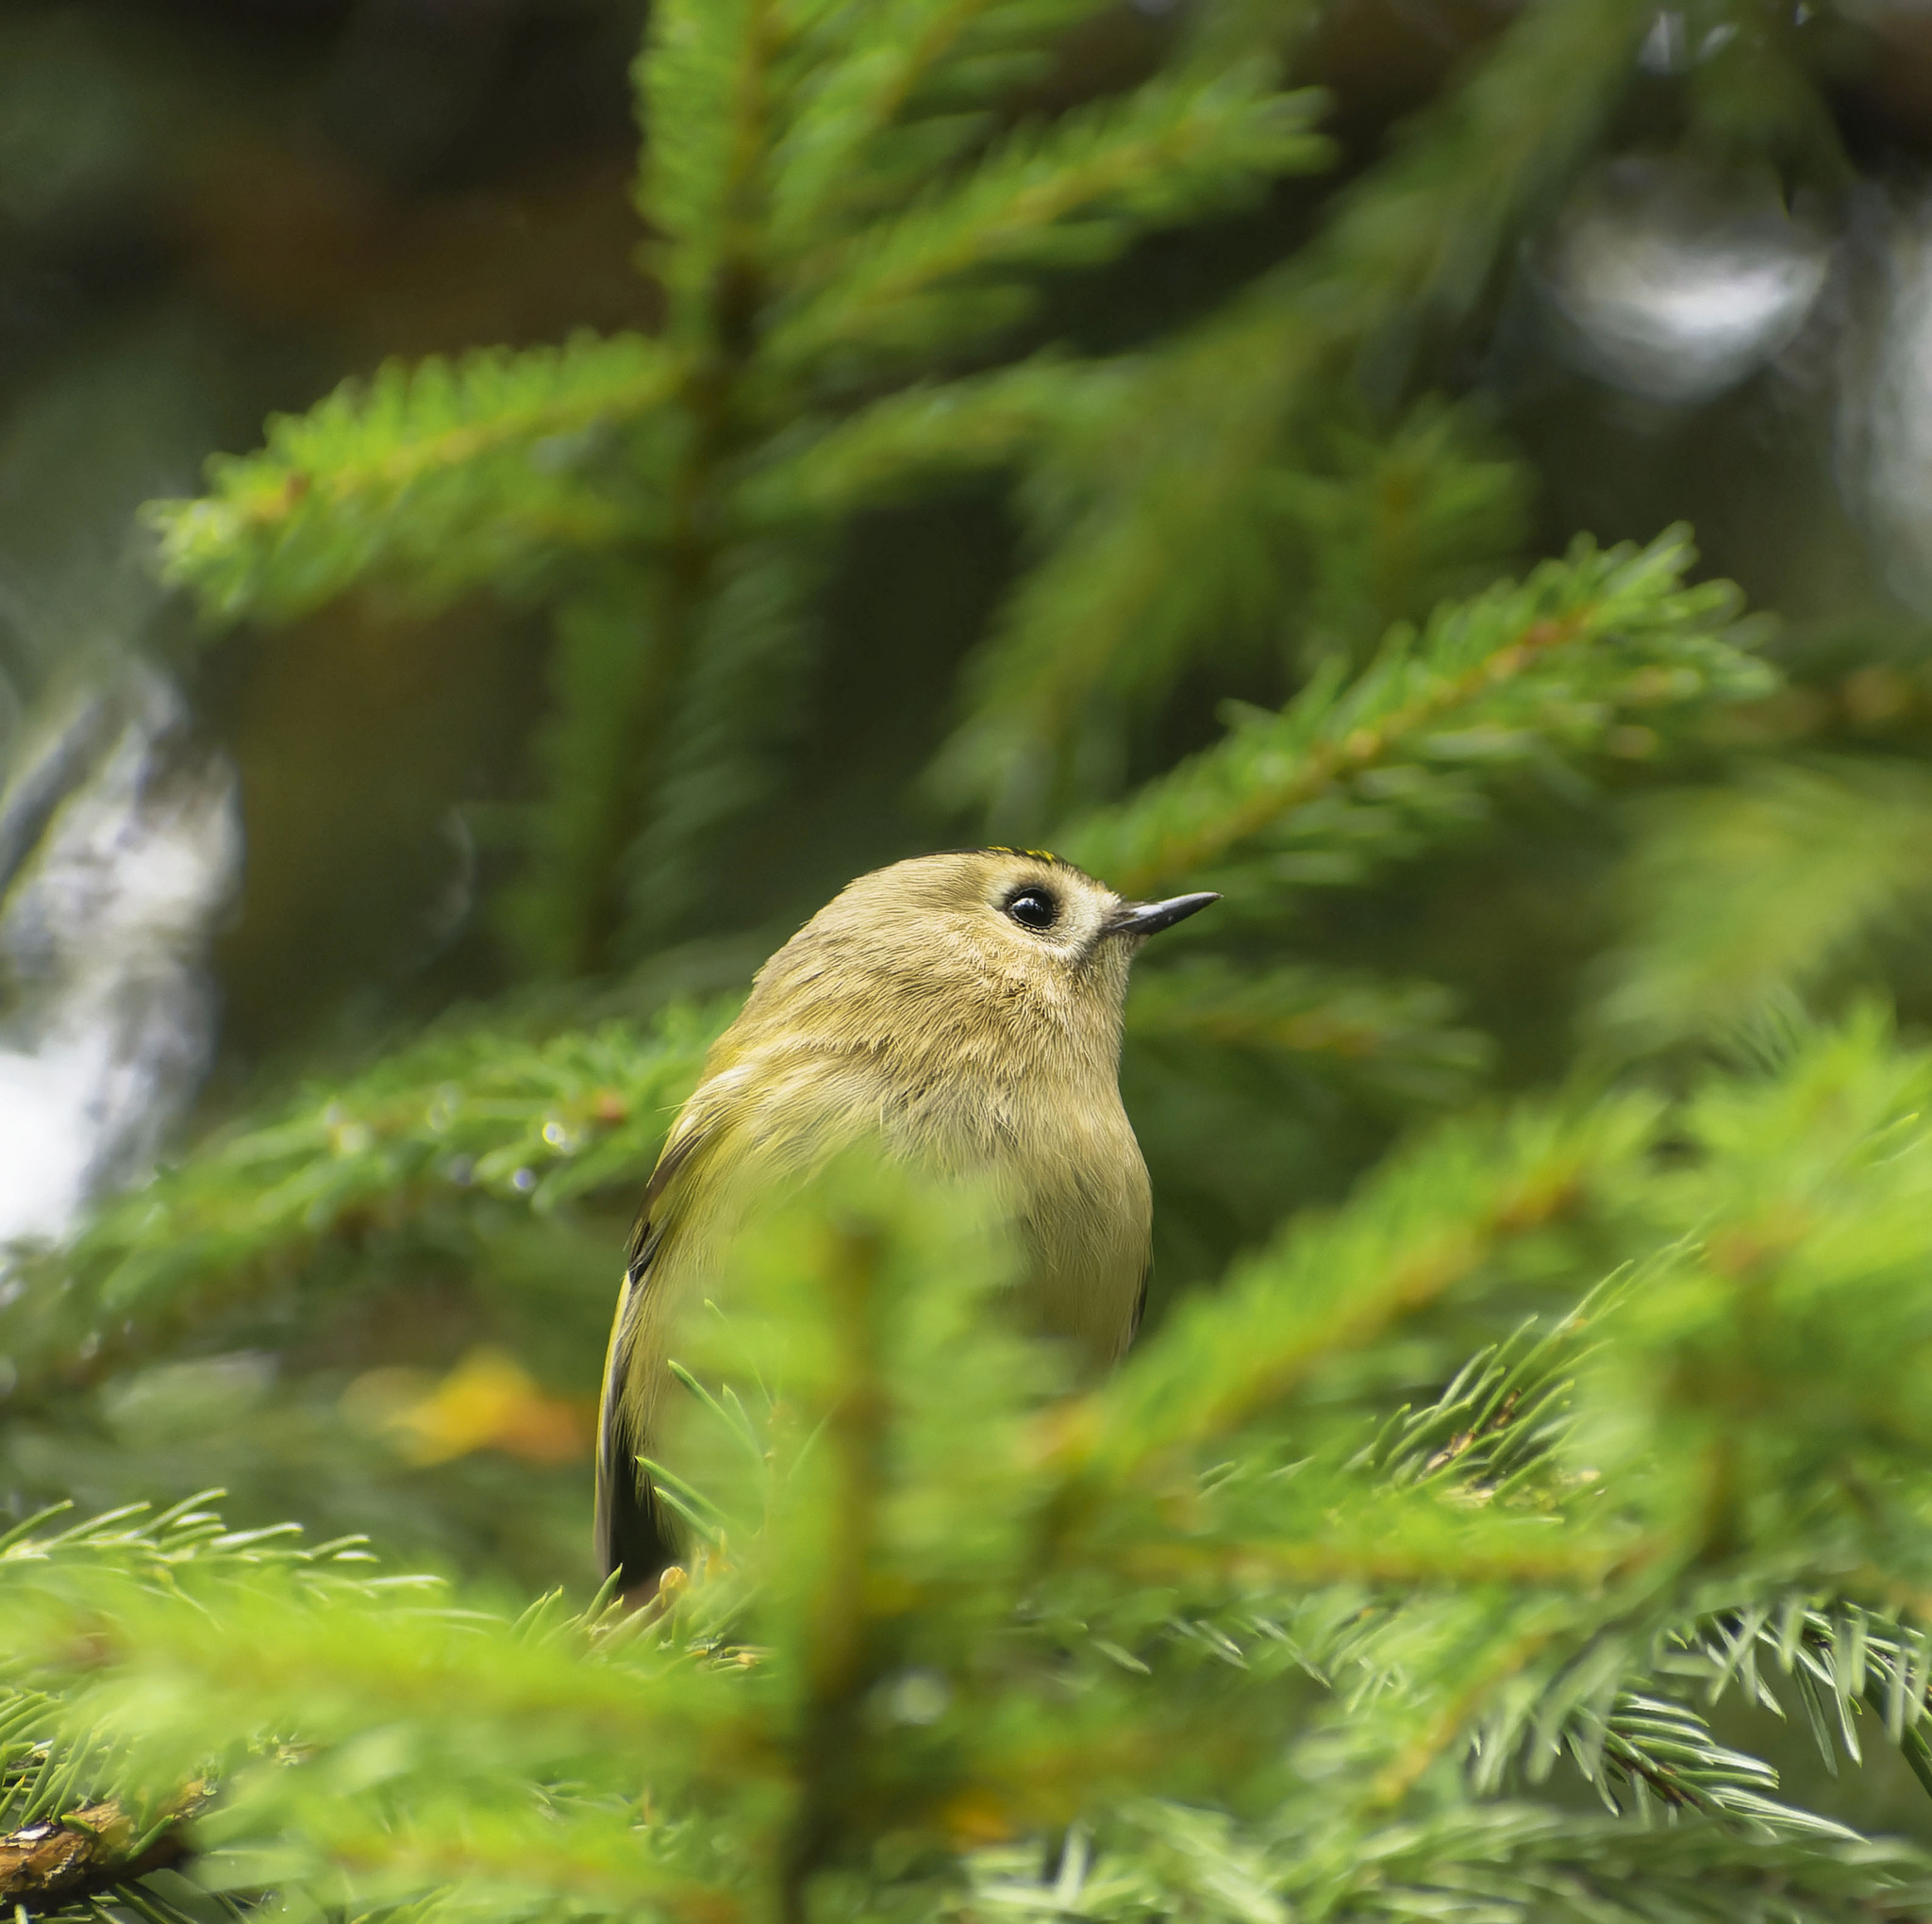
(1097, 427)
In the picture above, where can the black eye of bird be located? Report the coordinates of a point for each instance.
(1034, 908)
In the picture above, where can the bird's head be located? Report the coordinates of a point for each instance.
(1010, 940)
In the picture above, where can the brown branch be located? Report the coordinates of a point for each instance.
(90, 1850)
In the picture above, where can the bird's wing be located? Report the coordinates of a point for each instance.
(631, 1534)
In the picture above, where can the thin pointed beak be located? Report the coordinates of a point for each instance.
(1150, 917)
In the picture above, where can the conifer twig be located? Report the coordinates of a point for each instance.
(282, 531)
(91, 1849)
(1181, 468)
(1334, 762)
(1519, 671)
(842, 1656)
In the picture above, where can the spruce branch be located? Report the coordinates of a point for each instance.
(1355, 770)
(711, 81)
(174, 1639)
(206, 1664)
(471, 1112)
(828, 465)
(1424, 1224)
(1624, 1725)
(606, 673)
(69, 1833)
(441, 477)
(1374, 527)
(1743, 897)
(1494, 1431)
(838, 158)
(1857, 1662)
(1068, 193)
(89, 1851)
(1390, 1038)
(1446, 1579)
(1183, 466)
(1393, 1543)
(589, 1854)
(742, 704)
(1521, 1863)
(841, 1659)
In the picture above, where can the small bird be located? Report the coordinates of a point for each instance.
(964, 1009)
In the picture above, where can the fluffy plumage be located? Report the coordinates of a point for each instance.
(965, 1010)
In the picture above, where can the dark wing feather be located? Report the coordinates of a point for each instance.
(633, 1535)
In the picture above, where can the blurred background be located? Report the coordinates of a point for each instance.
(240, 858)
